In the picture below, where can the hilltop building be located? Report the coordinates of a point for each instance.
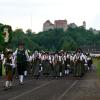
(84, 24)
(60, 24)
(48, 25)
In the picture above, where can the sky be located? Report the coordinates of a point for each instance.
(31, 14)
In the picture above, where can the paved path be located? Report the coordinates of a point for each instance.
(69, 88)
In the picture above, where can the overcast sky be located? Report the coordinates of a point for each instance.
(33, 13)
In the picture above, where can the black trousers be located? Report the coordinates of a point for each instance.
(0, 68)
(21, 68)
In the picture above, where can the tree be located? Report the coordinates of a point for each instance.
(68, 44)
(1, 42)
(28, 31)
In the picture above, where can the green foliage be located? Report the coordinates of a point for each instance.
(69, 44)
(1, 38)
(96, 62)
(9, 31)
(1, 42)
(18, 35)
(53, 40)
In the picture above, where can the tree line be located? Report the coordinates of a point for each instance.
(54, 40)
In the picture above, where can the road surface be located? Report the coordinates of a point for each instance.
(67, 88)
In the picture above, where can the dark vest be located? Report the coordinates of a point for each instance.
(21, 57)
(0, 56)
(8, 60)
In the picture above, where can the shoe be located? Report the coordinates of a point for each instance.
(6, 88)
(21, 83)
(25, 77)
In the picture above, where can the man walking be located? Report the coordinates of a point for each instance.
(21, 60)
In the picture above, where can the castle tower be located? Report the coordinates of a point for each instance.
(48, 25)
(84, 24)
(61, 24)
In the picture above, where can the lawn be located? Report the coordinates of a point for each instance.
(97, 63)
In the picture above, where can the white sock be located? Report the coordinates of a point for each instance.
(7, 83)
(10, 83)
(41, 68)
(88, 68)
(60, 73)
(65, 72)
(21, 78)
(25, 73)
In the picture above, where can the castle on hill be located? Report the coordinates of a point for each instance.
(60, 24)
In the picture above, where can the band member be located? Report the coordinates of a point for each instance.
(72, 63)
(56, 65)
(60, 64)
(1, 59)
(37, 65)
(9, 65)
(89, 61)
(46, 64)
(79, 60)
(21, 59)
(67, 64)
(51, 67)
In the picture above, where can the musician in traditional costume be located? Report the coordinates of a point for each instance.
(1, 60)
(21, 61)
(79, 59)
(9, 64)
(56, 65)
(46, 64)
(67, 64)
(37, 64)
(89, 61)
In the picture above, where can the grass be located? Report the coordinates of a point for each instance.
(97, 63)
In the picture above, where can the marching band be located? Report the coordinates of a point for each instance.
(43, 64)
